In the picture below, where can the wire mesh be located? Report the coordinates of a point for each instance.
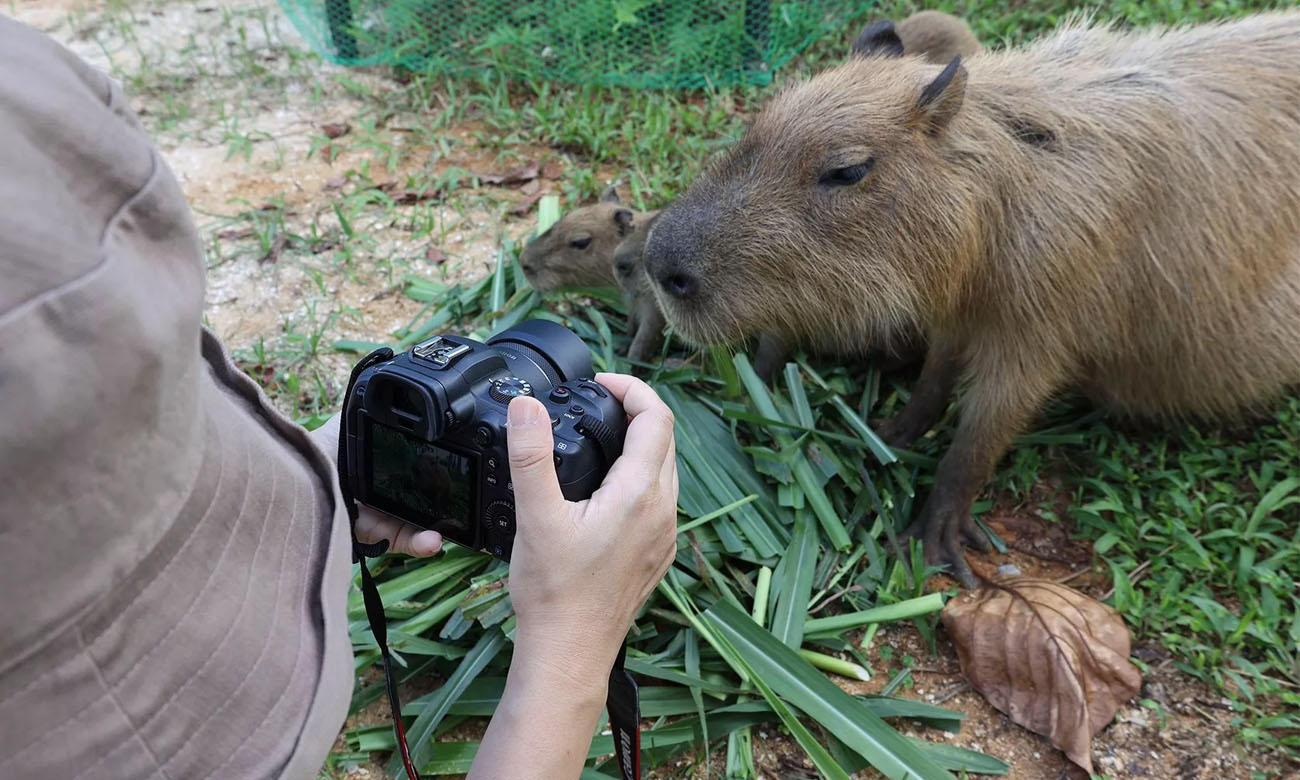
(637, 43)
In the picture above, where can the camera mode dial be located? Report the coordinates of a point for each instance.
(502, 390)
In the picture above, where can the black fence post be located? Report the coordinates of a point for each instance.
(339, 15)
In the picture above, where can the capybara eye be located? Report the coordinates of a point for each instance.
(581, 243)
(843, 177)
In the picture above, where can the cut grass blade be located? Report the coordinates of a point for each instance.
(548, 212)
(498, 299)
(877, 445)
(903, 610)
(420, 734)
(793, 590)
(835, 665)
(808, 482)
(792, 678)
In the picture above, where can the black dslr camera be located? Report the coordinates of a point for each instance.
(426, 429)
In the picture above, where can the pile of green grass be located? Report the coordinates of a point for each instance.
(788, 497)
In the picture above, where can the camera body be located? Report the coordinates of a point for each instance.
(426, 429)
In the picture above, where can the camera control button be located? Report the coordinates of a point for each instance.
(504, 523)
(504, 390)
(561, 395)
(492, 479)
(491, 463)
(595, 388)
(483, 437)
(576, 410)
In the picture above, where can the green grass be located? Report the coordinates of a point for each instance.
(1210, 522)
(1198, 528)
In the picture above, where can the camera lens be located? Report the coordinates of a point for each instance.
(546, 353)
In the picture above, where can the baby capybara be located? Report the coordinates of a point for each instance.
(1113, 211)
(645, 321)
(937, 36)
(577, 250)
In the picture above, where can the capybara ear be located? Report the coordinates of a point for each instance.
(623, 219)
(879, 39)
(610, 195)
(941, 98)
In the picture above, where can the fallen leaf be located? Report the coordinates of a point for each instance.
(407, 197)
(524, 206)
(234, 234)
(334, 130)
(531, 188)
(335, 183)
(278, 245)
(516, 175)
(435, 255)
(1053, 659)
(552, 170)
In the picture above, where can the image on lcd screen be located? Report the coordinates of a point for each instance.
(429, 482)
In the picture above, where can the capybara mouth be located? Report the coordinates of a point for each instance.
(701, 320)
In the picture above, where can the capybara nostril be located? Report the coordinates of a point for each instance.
(679, 284)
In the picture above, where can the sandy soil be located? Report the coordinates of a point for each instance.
(245, 121)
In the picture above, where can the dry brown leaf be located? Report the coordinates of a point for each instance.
(531, 187)
(335, 183)
(524, 206)
(435, 255)
(1053, 659)
(334, 130)
(278, 245)
(407, 197)
(516, 175)
(552, 170)
(234, 234)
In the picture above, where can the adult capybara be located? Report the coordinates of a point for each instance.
(1114, 211)
(577, 250)
(937, 36)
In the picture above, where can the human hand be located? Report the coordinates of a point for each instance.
(579, 571)
(373, 525)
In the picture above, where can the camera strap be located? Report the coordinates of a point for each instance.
(624, 707)
(622, 700)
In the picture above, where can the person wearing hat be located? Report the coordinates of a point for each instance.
(174, 554)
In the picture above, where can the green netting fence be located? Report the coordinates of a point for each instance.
(637, 43)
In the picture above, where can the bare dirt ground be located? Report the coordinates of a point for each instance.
(271, 145)
(313, 205)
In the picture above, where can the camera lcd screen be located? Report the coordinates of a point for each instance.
(420, 481)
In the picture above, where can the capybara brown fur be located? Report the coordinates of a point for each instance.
(937, 36)
(577, 250)
(645, 321)
(1112, 211)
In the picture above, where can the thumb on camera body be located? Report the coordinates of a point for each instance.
(532, 448)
